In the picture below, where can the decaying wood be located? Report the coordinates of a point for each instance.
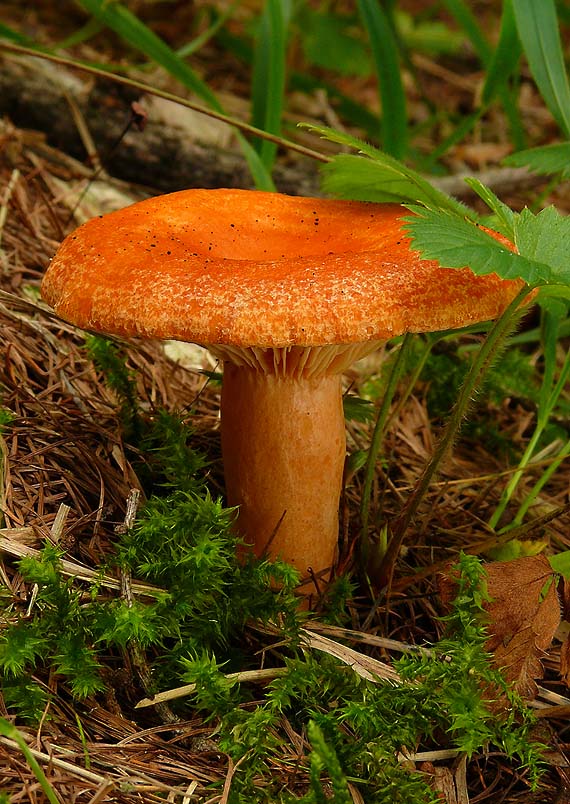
(167, 156)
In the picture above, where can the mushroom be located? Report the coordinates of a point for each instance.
(287, 292)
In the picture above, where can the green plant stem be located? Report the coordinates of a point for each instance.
(12, 733)
(536, 489)
(377, 436)
(415, 375)
(489, 350)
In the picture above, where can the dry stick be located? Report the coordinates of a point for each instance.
(494, 341)
(49, 759)
(256, 676)
(363, 665)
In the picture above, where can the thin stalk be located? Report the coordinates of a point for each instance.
(543, 418)
(415, 375)
(378, 434)
(489, 350)
(540, 483)
(10, 731)
(159, 93)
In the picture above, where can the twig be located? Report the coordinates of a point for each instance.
(500, 180)
(364, 666)
(50, 759)
(255, 676)
(14, 548)
(429, 756)
(366, 639)
(58, 524)
(6, 200)
(142, 87)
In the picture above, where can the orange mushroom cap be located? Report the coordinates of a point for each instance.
(246, 268)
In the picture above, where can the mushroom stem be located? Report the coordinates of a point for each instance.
(284, 444)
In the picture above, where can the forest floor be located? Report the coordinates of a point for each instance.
(66, 478)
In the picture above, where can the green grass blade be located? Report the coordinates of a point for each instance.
(504, 216)
(464, 126)
(468, 21)
(91, 28)
(505, 58)
(538, 30)
(124, 23)
(553, 312)
(139, 36)
(200, 40)
(268, 80)
(387, 61)
(12, 733)
(13, 36)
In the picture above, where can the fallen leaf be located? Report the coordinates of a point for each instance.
(524, 613)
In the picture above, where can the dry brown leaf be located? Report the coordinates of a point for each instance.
(524, 613)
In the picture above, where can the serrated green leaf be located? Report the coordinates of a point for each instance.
(503, 214)
(384, 178)
(545, 237)
(546, 160)
(359, 179)
(554, 291)
(561, 563)
(357, 409)
(457, 243)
